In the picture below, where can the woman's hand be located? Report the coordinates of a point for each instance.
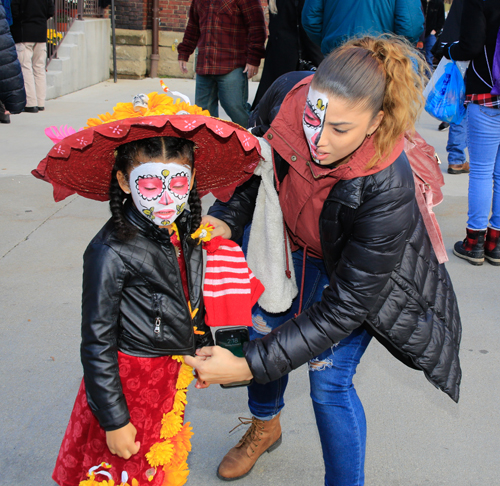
(220, 228)
(218, 365)
(122, 441)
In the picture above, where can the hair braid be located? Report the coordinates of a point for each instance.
(124, 229)
(195, 214)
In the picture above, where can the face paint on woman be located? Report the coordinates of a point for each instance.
(160, 191)
(313, 120)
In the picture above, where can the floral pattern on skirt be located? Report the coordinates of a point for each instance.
(149, 387)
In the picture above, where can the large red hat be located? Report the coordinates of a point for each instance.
(225, 155)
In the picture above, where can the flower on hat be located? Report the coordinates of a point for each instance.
(158, 104)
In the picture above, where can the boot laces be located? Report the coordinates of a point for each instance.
(251, 432)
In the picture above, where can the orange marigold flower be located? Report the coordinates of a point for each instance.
(179, 458)
(175, 477)
(158, 104)
(160, 453)
(125, 110)
(171, 424)
(185, 377)
(182, 439)
(180, 359)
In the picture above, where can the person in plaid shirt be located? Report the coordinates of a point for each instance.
(230, 36)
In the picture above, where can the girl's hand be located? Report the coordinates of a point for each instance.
(122, 441)
(214, 364)
(220, 228)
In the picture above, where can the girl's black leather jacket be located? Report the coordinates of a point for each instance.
(133, 302)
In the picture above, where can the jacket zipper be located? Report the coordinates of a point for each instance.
(157, 328)
(157, 325)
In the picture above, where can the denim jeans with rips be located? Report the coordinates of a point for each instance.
(339, 413)
(483, 141)
(232, 91)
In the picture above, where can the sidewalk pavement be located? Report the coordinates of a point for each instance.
(416, 435)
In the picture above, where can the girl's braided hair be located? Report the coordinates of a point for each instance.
(127, 157)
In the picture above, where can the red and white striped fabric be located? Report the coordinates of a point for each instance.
(230, 289)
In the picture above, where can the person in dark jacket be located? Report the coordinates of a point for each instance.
(434, 21)
(288, 46)
(347, 194)
(480, 43)
(329, 23)
(457, 137)
(12, 93)
(29, 31)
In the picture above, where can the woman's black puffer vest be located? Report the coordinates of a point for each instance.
(384, 276)
(133, 302)
(12, 92)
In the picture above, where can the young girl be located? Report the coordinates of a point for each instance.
(363, 259)
(142, 306)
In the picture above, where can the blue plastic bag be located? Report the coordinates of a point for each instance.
(446, 100)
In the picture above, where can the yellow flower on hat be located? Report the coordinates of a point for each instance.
(158, 104)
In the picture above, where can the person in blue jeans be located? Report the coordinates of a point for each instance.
(360, 253)
(457, 143)
(480, 43)
(229, 36)
(230, 89)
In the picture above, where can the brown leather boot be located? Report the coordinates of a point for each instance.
(262, 436)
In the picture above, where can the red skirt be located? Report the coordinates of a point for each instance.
(149, 387)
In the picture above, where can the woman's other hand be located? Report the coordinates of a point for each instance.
(122, 441)
(220, 228)
(218, 365)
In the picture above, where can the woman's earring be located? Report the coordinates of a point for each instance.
(369, 135)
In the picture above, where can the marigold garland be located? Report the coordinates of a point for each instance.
(172, 452)
(185, 377)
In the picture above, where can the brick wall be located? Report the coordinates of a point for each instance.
(136, 14)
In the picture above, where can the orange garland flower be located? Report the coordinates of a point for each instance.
(171, 424)
(185, 377)
(160, 453)
(175, 477)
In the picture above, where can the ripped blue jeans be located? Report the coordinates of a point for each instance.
(339, 413)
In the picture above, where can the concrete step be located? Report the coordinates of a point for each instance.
(81, 58)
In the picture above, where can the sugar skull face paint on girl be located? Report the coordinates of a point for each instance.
(160, 191)
(313, 120)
